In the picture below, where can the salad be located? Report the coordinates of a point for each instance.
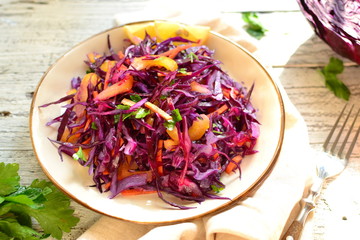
(157, 117)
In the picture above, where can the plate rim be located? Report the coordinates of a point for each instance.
(252, 188)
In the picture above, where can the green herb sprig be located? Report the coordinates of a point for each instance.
(41, 201)
(332, 82)
(254, 26)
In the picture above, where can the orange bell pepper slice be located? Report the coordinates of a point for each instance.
(199, 127)
(82, 93)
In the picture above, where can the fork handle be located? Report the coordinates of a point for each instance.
(295, 229)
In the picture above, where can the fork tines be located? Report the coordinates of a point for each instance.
(326, 146)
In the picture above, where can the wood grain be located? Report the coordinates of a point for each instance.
(34, 33)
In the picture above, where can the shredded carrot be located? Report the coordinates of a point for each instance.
(87, 141)
(106, 81)
(226, 92)
(158, 110)
(107, 185)
(128, 102)
(150, 106)
(216, 155)
(74, 138)
(197, 87)
(87, 124)
(121, 54)
(158, 157)
(173, 52)
(219, 111)
(231, 165)
(124, 167)
(137, 191)
(65, 135)
(121, 142)
(106, 172)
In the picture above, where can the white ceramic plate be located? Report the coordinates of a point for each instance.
(74, 180)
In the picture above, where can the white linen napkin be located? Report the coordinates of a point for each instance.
(266, 213)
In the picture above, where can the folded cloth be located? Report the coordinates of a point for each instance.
(266, 213)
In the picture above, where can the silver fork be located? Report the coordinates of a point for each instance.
(330, 163)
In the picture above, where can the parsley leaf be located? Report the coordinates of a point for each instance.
(254, 26)
(176, 115)
(55, 216)
(216, 189)
(90, 70)
(182, 70)
(41, 201)
(332, 82)
(135, 97)
(93, 126)
(141, 113)
(79, 155)
(170, 124)
(9, 180)
(11, 227)
(122, 107)
(192, 56)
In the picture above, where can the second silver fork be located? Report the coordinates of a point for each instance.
(329, 164)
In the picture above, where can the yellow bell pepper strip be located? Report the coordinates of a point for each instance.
(150, 106)
(146, 62)
(107, 65)
(122, 86)
(93, 56)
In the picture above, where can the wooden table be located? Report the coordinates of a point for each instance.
(34, 33)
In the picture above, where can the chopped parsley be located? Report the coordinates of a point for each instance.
(254, 26)
(79, 155)
(332, 82)
(176, 117)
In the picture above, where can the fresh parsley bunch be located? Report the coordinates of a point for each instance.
(41, 201)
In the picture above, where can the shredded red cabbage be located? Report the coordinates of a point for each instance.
(131, 148)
